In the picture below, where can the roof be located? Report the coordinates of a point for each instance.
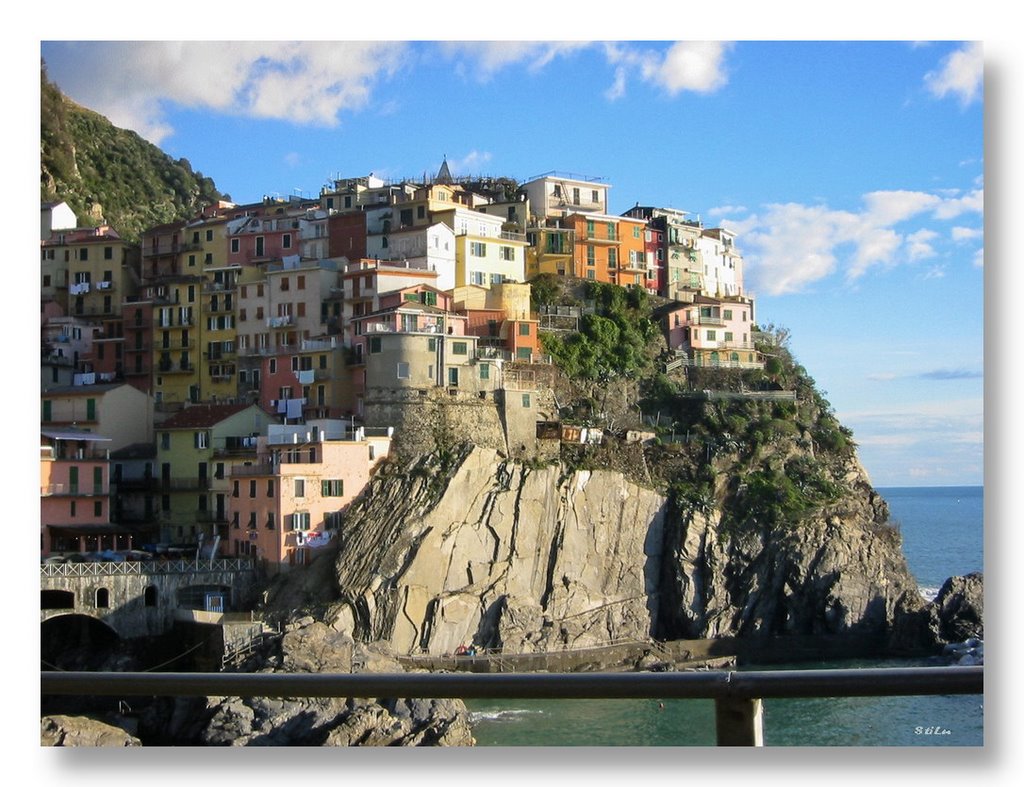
(72, 434)
(203, 415)
(84, 390)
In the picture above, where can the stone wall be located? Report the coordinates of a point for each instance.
(432, 418)
(127, 611)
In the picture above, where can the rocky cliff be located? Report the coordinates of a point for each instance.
(477, 549)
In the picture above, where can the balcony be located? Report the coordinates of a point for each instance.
(160, 249)
(74, 490)
(175, 368)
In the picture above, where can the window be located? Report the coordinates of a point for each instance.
(273, 365)
(234, 246)
(728, 336)
(97, 508)
(165, 441)
(478, 277)
(234, 489)
(403, 370)
(374, 344)
(300, 487)
(284, 283)
(108, 252)
(199, 439)
(270, 520)
(712, 336)
(453, 377)
(332, 487)
(727, 314)
(209, 235)
(526, 400)
(477, 249)
(613, 258)
(259, 246)
(591, 255)
(431, 347)
(300, 282)
(286, 241)
(83, 254)
(300, 520)
(507, 253)
(485, 371)
(524, 329)
(270, 487)
(590, 228)
(102, 598)
(458, 348)
(497, 278)
(252, 488)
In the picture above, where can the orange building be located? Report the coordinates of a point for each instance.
(608, 249)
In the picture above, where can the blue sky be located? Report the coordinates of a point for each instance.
(852, 171)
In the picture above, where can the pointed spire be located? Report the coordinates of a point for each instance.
(444, 175)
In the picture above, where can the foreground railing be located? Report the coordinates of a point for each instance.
(737, 695)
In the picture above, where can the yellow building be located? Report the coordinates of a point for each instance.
(89, 271)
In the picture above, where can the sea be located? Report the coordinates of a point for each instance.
(942, 529)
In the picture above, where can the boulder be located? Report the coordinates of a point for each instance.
(60, 730)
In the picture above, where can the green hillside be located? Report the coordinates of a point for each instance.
(107, 174)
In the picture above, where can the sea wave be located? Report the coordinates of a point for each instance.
(503, 714)
(929, 594)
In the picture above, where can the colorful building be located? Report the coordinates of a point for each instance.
(74, 491)
(119, 412)
(291, 498)
(714, 332)
(195, 448)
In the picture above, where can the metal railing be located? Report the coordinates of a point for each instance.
(738, 695)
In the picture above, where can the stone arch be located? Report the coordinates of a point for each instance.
(57, 599)
(149, 596)
(102, 598)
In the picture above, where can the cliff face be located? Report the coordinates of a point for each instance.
(479, 549)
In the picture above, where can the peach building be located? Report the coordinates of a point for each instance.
(291, 501)
(74, 492)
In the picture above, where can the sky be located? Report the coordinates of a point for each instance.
(851, 170)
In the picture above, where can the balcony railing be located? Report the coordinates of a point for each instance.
(738, 695)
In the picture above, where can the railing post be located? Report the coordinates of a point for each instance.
(738, 721)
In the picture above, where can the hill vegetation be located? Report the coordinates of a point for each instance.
(110, 175)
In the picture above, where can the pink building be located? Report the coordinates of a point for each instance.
(713, 331)
(291, 500)
(74, 491)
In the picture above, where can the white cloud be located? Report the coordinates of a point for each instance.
(966, 234)
(483, 59)
(470, 163)
(919, 244)
(960, 74)
(790, 246)
(305, 82)
(696, 66)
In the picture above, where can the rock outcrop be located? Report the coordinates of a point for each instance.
(482, 550)
(64, 730)
(956, 616)
(312, 646)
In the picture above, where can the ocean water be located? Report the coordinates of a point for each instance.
(942, 529)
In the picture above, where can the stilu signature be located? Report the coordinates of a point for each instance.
(934, 730)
